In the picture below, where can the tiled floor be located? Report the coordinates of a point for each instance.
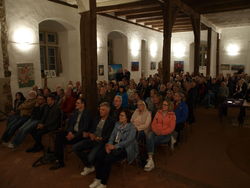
(215, 155)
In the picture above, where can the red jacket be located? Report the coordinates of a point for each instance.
(68, 105)
(163, 125)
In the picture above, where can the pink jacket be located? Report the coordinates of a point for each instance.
(163, 125)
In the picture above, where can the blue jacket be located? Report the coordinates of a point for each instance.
(181, 112)
(128, 139)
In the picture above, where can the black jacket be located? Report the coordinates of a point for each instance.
(83, 124)
(52, 117)
(38, 112)
(107, 128)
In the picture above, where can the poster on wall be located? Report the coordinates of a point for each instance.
(178, 66)
(113, 69)
(152, 65)
(238, 68)
(225, 66)
(101, 70)
(134, 66)
(25, 75)
(53, 73)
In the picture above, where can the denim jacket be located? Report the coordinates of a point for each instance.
(127, 139)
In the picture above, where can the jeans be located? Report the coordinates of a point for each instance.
(152, 140)
(104, 162)
(27, 127)
(37, 136)
(11, 128)
(88, 157)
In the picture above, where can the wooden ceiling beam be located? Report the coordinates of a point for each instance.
(126, 6)
(139, 11)
(131, 17)
(139, 20)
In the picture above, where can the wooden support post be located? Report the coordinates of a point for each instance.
(209, 43)
(89, 57)
(218, 55)
(197, 33)
(169, 16)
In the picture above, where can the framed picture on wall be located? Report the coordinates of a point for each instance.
(47, 73)
(135, 66)
(101, 70)
(238, 68)
(152, 65)
(25, 74)
(113, 69)
(52, 73)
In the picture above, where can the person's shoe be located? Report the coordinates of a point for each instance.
(11, 146)
(37, 149)
(57, 166)
(95, 183)
(101, 186)
(150, 165)
(87, 171)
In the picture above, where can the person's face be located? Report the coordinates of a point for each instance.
(104, 111)
(79, 105)
(69, 92)
(121, 90)
(177, 97)
(50, 101)
(155, 99)
(140, 106)
(122, 118)
(46, 92)
(117, 102)
(102, 91)
(165, 106)
(18, 96)
(40, 100)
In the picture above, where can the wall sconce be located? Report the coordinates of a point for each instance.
(232, 49)
(179, 50)
(24, 39)
(153, 49)
(135, 47)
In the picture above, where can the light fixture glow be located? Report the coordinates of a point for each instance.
(233, 49)
(135, 47)
(153, 49)
(179, 50)
(24, 37)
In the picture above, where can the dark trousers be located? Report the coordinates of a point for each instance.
(37, 136)
(105, 161)
(13, 126)
(60, 142)
(178, 128)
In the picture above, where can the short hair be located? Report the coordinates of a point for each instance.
(52, 96)
(106, 104)
(128, 114)
(82, 100)
(118, 96)
(40, 95)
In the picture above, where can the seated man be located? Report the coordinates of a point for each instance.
(117, 107)
(50, 121)
(77, 127)
(28, 126)
(98, 136)
(25, 112)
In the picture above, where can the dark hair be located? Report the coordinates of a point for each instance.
(52, 96)
(82, 100)
(124, 89)
(40, 95)
(128, 114)
(22, 98)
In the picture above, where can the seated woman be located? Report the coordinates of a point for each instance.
(121, 145)
(162, 127)
(141, 119)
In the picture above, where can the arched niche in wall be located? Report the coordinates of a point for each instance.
(54, 51)
(117, 49)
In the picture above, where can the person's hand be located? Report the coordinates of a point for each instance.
(40, 126)
(98, 138)
(11, 113)
(109, 148)
(85, 134)
(92, 136)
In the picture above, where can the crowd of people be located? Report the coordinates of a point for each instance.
(131, 116)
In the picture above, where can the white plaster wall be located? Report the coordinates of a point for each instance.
(28, 14)
(106, 25)
(239, 36)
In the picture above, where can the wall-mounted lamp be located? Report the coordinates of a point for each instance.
(233, 49)
(153, 49)
(179, 50)
(135, 47)
(24, 39)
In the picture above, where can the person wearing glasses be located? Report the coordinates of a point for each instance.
(162, 126)
(78, 125)
(121, 145)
